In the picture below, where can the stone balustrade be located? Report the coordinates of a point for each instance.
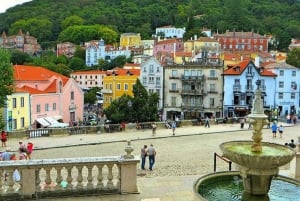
(68, 177)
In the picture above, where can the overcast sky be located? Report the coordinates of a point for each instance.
(5, 4)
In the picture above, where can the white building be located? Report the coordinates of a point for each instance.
(151, 76)
(286, 98)
(240, 84)
(170, 31)
(89, 79)
(94, 50)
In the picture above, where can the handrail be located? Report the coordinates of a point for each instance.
(222, 158)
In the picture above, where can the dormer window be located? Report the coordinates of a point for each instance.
(238, 69)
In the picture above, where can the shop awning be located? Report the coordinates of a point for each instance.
(43, 122)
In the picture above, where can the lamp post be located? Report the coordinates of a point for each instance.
(129, 104)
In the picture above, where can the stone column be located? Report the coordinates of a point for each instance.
(28, 179)
(128, 176)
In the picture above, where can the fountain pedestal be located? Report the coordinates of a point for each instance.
(257, 182)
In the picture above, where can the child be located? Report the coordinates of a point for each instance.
(29, 150)
(280, 129)
(274, 129)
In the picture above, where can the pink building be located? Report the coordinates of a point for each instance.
(167, 48)
(51, 94)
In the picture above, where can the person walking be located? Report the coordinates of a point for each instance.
(242, 121)
(274, 129)
(280, 129)
(173, 126)
(29, 149)
(3, 138)
(143, 156)
(207, 122)
(153, 128)
(151, 154)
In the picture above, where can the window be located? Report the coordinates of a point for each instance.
(293, 85)
(22, 102)
(144, 69)
(151, 91)
(54, 106)
(211, 102)
(151, 80)
(22, 122)
(46, 107)
(126, 87)
(281, 73)
(151, 70)
(174, 73)
(212, 87)
(294, 73)
(144, 80)
(293, 95)
(281, 84)
(38, 108)
(173, 101)
(157, 81)
(280, 95)
(212, 73)
(14, 122)
(118, 86)
(157, 69)
(158, 91)
(14, 103)
(72, 95)
(173, 86)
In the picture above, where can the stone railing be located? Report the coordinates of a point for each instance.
(69, 176)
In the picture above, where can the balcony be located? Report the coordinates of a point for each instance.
(192, 78)
(174, 77)
(212, 78)
(249, 74)
(212, 92)
(193, 92)
(237, 88)
(174, 90)
(69, 176)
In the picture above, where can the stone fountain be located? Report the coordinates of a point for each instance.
(258, 162)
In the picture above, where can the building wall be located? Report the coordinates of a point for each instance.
(15, 115)
(111, 90)
(189, 90)
(130, 40)
(171, 31)
(151, 78)
(89, 79)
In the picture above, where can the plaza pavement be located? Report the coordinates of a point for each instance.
(171, 188)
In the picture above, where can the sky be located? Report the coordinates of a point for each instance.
(5, 4)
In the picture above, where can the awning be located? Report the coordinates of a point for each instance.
(51, 120)
(43, 122)
(58, 117)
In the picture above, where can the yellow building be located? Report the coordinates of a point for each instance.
(17, 112)
(118, 82)
(202, 43)
(130, 40)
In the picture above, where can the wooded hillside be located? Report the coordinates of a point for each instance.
(46, 19)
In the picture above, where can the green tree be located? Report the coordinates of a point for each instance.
(293, 57)
(18, 57)
(71, 21)
(39, 28)
(6, 80)
(76, 63)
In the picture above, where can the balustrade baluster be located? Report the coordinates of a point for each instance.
(59, 177)
(69, 176)
(79, 177)
(47, 178)
(9, 177)
(110, 184)
(90, 176)
(100, 177)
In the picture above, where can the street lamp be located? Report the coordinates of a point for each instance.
(129, 104)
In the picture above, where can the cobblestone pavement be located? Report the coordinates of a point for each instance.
(181, 159)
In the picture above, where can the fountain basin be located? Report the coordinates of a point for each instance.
(272, 155)
(228, 186)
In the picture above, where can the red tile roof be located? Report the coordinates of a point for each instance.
(89, 72)
(24, 74)
(238, 69)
